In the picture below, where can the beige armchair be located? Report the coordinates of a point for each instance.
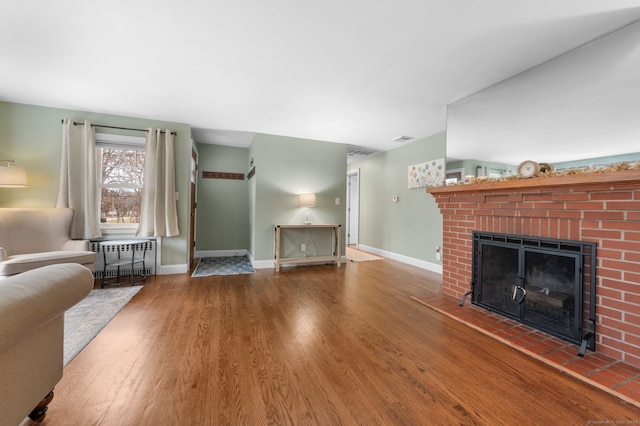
(34, 237)
(32, 306)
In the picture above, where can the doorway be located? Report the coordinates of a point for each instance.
(192, 209)
(353, 207)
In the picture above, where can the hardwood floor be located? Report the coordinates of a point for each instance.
(311, 346)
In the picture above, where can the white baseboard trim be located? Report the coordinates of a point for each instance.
(172, 269)
(262, 264)
(220, 253)
(433, 267)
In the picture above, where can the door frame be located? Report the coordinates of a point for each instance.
(193, 182)
(350, 202)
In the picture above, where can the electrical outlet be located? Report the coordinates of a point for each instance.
(303, 247)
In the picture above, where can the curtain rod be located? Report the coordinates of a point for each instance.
(76, 123)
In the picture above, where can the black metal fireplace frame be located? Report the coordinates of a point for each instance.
(586, 251)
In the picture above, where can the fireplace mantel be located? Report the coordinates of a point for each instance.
(603, 208)
(587, 178)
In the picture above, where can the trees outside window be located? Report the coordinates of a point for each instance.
(121, 184)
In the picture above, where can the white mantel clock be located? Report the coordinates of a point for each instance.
(528, 168)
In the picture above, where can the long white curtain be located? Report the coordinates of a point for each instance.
(79, 177)
(158, 213)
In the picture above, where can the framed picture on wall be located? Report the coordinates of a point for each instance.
(430, 173)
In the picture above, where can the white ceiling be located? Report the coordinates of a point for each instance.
(348, 71)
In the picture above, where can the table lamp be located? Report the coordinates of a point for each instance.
(307, 200)
(11, 176)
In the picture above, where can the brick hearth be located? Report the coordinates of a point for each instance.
(599, 207)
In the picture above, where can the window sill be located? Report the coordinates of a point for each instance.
(123, 229)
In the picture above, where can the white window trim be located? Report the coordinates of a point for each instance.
(106, 140)
(128, 229)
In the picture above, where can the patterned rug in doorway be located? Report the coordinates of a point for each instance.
(232, 265)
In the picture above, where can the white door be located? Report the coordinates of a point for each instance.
(353, 206)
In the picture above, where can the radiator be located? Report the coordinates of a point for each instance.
(149, 258)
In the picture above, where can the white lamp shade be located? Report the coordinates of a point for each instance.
(307, 200)
(12, 177)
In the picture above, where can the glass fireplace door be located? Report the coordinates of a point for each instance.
(546, 283)
(499, 272)
(553, 292)
(538, 287)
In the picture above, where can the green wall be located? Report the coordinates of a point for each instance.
(286, 167)
(242, 214)
(411, 227)
(32, 136)
(223, 204)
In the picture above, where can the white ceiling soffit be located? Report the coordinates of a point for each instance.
(343, 71)
(223, 137)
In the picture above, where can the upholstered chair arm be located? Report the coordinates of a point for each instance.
(32, 299)
(76, 245)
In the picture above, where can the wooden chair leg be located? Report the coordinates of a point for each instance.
(38, 413)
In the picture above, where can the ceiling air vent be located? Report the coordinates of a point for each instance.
(358, 152)
(402, 139)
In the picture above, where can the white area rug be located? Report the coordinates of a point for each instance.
(360, 256)
(84, 321)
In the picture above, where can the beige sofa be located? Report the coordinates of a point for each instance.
(32, 307)
(31, 238)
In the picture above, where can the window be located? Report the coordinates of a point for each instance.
(121, 177)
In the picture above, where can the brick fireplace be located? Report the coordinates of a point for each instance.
(603, 208)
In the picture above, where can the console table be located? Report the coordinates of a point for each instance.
(336, 231)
